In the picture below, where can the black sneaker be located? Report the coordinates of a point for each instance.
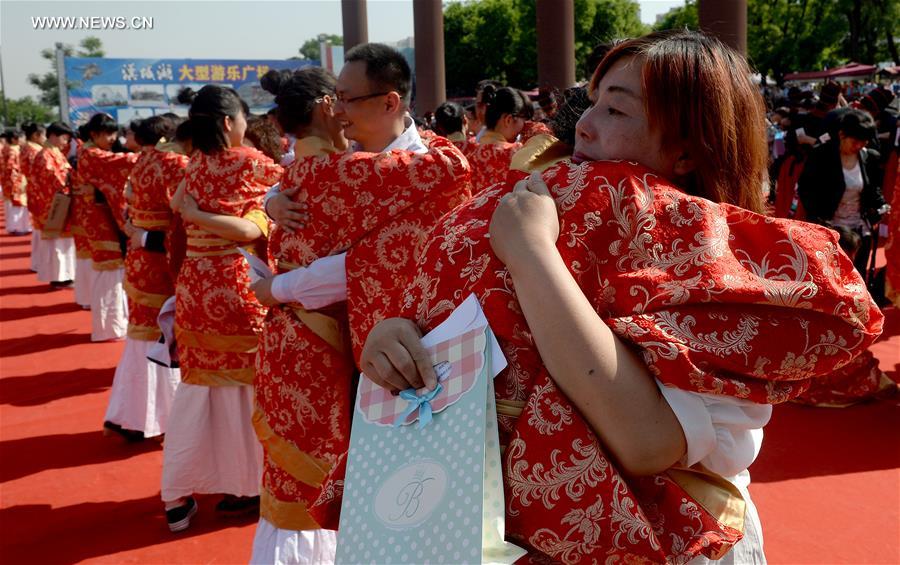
(238, 505)
(132, 436)
(179, 518)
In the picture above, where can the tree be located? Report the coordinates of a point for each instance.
(48, 83)
(26, 110)
(602, 21)
(497, 39)
(681, 17)
(785, 36)
(310, 49)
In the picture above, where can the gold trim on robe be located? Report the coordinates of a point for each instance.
(217, 342)
(288, 515)
(539, 154)
(301, 465)
(218, 377)
(144, 298)
(144, 333)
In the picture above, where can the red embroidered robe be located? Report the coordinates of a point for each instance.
(104, 222)
(148, 279)
(26, 162)
(82, 199)
(305, 372)
(49, 172)
(12, 178)
(716, 299)
(532, 129)
(490, 159)
(217, 317)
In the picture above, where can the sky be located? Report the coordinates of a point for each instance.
(218, 29)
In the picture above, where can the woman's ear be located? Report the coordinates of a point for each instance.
(228, 124)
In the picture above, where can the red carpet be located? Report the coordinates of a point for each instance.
(827, 483)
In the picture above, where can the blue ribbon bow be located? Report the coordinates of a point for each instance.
(420, 403)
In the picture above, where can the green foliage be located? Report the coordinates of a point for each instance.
(680, 18)
(497, 39)
(26, 110)
(310, 48)
(48, 83)
(785, 36)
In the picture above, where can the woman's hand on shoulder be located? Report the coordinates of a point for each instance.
(525, 222)
(286, 212)
(394, 358)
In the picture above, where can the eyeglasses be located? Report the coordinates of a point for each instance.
(341, 100)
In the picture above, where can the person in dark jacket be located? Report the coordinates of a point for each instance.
(840, 185)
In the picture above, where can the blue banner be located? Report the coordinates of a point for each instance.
(130, 89)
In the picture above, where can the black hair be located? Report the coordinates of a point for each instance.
(597, 55)
(183, 131)
(782, 111)
(857, 124)
(99, 123)
(151, 130)
(386, 68)
(12, 133)
(296, 93)
(501, 101)
(563, 123)
(209, 107)
(59, 128)
(32, 128)
(83, 133)
(133, 125)
(262, 134)
(527, 106)
(185, 96)
(479, 88)
(448, 118)
(172, 116)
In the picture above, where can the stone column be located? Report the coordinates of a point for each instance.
(727, 20)
(356, 27)
(431, 89)
(556, 43)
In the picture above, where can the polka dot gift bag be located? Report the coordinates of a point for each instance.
(423, 481)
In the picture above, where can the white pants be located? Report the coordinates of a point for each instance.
(58, 260)
(273, 546)
(109, 306)
(17, 219)
(211, 447)
(38, 250)
(84, 281)
(142, 391)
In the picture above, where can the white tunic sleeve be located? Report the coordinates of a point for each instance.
(322, 282)
(724, 434)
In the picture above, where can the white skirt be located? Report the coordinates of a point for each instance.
(272, 546)
(210, 445)
(109, 306)
(142, 391)
(84, 279)
(38, 252)
(18, 220)
(58, 260)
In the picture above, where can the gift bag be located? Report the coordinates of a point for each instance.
(424, 482)
(58, 213)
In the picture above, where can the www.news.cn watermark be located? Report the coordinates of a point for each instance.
(91, 23)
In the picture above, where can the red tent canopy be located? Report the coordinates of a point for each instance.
(848, 70)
